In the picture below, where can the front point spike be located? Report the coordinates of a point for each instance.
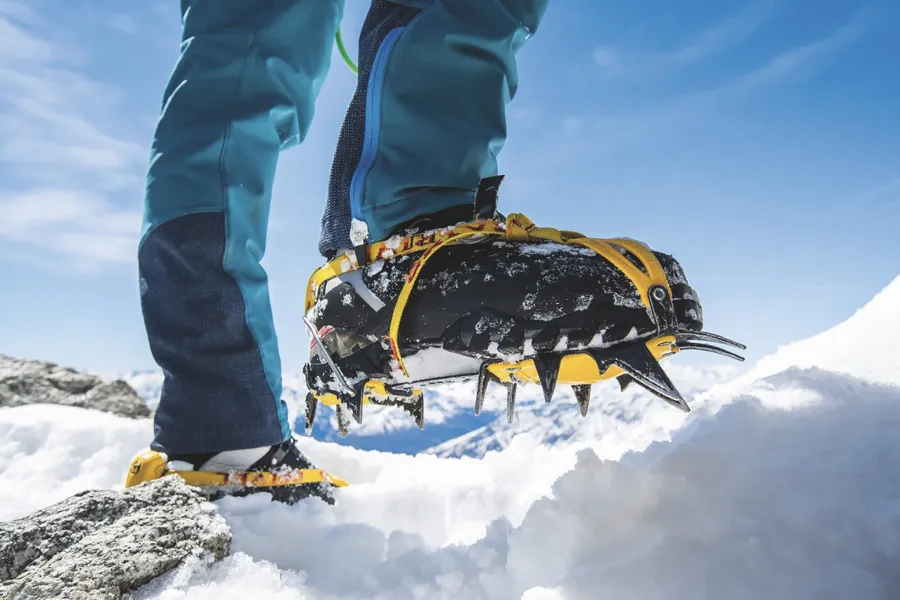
(547, 367)
(705, 336)
(510, 402)
(637, 362)
(311, 404)
(710, 348)
(583, 395)
(481, 389)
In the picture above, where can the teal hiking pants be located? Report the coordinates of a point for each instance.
(425, 124)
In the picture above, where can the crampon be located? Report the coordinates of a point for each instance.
(282, 471)
(498, 301)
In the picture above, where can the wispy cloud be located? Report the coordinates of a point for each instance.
(804, 59)
(16, 9)
(124, 24)
(789, 65)
(68, 180)
(82, 225)
(19, 45)
(607, 58)
(709, 42)
(722, 36)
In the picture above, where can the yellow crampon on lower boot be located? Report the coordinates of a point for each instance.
(496, 299)
(282, 471)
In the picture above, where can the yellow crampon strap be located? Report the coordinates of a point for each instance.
(407, 289)
(391, 248)
(517, 228)
(150, 465)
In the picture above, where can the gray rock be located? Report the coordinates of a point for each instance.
(34, 382)
(100, 544)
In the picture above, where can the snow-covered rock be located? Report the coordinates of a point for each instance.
(99, 544)
(35, 382)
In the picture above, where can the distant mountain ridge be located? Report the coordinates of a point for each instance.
(452, 428)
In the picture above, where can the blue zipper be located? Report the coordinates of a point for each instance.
(373, 122)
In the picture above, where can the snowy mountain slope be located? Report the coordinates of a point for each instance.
(448, 414)
(452, 428)
(147, 383)
(783, 487)
(866, 345)
(613, 416)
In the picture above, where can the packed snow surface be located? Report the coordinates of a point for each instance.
(783, 483)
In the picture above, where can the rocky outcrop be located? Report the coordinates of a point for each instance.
(100, 544)
(34, 382)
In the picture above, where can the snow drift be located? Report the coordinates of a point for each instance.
(782, 484)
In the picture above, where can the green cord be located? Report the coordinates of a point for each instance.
(344, 54)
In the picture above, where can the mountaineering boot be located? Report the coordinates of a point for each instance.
(500, 300)
(281, 470)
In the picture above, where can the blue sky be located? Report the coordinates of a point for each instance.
(758, 141)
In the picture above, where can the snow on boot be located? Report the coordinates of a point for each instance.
(497, 300)
(280, 470)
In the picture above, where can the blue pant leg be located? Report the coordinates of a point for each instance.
(242, 90)
(429, 114)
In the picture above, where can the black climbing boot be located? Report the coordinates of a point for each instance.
(500, 300)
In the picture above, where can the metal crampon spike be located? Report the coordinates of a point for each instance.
(547, 367)
(583, 395)
(637, 362)
(311, 404)
(705, 336)
(510, 402)
(484, 376)
(709, 348)
(342, 413)
(417, 410)
(355, 404)
(624, 382)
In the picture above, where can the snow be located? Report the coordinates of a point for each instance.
(550, 248)
(359, 232)
(48, 453)
(866, 345)
(782, 483)
(148, 385)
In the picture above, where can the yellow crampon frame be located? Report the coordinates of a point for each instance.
(633, 361)
(150, 465)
